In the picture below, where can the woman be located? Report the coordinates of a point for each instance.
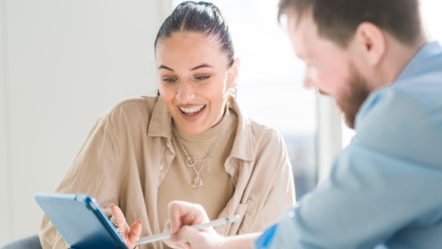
(189, 143)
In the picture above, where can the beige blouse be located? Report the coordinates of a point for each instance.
(132, 151)
(209, 149)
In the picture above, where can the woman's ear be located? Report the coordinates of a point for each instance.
(370, 42)
(233, 74)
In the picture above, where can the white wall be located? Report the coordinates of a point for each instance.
(4, 181)
(63, 63)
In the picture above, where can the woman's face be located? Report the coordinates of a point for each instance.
(194, 79)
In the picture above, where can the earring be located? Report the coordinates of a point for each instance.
(234, 90)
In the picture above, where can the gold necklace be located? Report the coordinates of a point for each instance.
(191, 161)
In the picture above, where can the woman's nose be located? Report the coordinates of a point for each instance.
(185, 92)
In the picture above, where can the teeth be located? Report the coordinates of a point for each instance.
(191, 110)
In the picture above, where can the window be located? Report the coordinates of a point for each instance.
(270, 86)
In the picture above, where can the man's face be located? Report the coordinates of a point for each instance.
(329, 68)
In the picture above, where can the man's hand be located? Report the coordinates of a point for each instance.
(182, 215)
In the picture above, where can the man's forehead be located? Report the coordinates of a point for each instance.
(301, 30)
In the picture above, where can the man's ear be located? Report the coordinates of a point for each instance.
(233, 74)
(370, 42)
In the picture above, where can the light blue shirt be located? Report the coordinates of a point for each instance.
(385, 187)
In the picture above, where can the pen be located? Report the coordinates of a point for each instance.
(166, 235)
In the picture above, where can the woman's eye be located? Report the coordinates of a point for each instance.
(202, 77)
(169, 80)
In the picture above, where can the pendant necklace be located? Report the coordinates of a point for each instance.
(191, 161)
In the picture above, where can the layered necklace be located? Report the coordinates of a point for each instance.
(191, 161)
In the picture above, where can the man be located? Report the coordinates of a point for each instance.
(383, 190)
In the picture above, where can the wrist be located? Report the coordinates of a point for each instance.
(243, 241)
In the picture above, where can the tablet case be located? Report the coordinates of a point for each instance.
(80, 221)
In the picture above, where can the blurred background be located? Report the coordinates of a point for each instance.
(65, 63)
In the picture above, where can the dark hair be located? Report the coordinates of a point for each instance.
(338, 20)
(201, 17)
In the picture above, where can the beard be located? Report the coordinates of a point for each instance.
(351, 101)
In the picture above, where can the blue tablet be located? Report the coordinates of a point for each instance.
(80, 221)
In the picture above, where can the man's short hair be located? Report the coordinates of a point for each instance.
(338, 20)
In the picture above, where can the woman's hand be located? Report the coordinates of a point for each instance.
(182, 215)
(130, 234)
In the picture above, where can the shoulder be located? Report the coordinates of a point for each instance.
(129, 113)
(263, 136)
(251, 129)
(136, 103)
(398, 121)
(134, 106)
(262, 129)
(401, 103)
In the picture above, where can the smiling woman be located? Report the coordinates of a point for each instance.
(191, 142)
(269, 83)
(189, 71)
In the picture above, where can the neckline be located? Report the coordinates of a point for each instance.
(205, 136)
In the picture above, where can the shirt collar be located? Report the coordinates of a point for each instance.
(244, 147)
(424, 54)
(160, 118)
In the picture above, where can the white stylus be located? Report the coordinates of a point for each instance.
(212, 223)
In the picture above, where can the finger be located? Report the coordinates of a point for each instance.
(118, 218)
(135, 231)
(185, 213)
(167, 226)
(181, 245)
(176, 210)
(185, 245)
(187, 234)
(171, 242)
(184, 238)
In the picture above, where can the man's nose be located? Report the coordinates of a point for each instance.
(308, 83)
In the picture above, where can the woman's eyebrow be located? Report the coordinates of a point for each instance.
(164, 67)
(201, 66)
(194, 68)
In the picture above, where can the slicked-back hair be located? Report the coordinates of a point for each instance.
(338, 20)
(201, 17)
